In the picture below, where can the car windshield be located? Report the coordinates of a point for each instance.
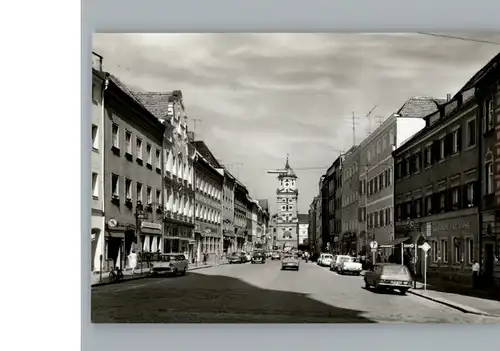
(345, 259)
(328, 256)
(395, 270)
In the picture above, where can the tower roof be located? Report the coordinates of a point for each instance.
(288, 171)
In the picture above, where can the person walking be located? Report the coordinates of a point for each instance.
(132, 261)
(475, 274)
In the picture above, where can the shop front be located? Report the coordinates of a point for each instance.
(349, 244)
(151, 237)
(178, 238)
(490, 246)
(115, 244)
(97, 242)
(208, 239)
(229, 241)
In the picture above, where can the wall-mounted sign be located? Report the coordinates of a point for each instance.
(208, 231)
(151, 225)
(112, 223)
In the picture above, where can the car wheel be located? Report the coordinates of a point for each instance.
(403, 291)
(183, 272)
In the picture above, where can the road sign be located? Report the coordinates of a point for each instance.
(373, 245)
(425, 246)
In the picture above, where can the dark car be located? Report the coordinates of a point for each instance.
(237, 257)
(259, 257)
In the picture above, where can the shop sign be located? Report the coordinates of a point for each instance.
(151, 225)
(449, 226)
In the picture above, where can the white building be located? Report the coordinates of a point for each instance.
(376, 169)
(303, 229)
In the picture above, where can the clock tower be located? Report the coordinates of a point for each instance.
(287, 211)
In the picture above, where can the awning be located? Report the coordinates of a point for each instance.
(395, 242)
(151, 231)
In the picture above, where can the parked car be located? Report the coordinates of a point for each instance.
(325, 259)
(258, 256)
(389, 276)
(290, 262)
(236, 257)
(275, 255)
(350, 266)
(248, 256)
(173, 263)
(337, 260)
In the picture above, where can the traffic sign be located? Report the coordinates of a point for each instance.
(373, 245)
(425, 246)
(374, 250)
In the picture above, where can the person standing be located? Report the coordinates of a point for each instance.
(132, 261)
(475, 274)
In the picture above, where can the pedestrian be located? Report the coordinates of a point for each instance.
(475, 274)
(132, 261)
(205, 257)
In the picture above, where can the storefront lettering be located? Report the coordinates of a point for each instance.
(439, 227)
(151, 225)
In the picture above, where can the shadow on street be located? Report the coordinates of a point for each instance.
(459, 289)
(202, 298)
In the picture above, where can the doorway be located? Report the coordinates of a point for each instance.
(488, 263)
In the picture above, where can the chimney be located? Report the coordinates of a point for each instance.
(190, 136)
(448, 97)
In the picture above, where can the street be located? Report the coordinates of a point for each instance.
(254, 293)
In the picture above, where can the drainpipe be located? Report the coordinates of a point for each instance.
(103, 197)
(479, 141)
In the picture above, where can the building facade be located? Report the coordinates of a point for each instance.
(351, 225)
(318, 241)
(265, 219)
(333, 179)
(486, 86)
(436, 191)
(287, 196)
(208, 207)
(240, 215)
(133, 140)
(229, 237)
(312, 225)
(303, 229)
(377, 170)
(97, 165)
(178, 173)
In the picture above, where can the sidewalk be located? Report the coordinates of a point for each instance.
(461, 297)
(127, 274)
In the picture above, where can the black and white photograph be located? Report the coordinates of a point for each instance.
(295, 178)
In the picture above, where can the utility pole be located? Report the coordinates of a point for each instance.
(353, 129)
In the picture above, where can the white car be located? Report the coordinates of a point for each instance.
(325, 259)
(337, 260)
(173, 263)
(248, 255)
(349, 266)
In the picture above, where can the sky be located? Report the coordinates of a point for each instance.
(259, 97)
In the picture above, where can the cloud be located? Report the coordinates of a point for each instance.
(261, 96)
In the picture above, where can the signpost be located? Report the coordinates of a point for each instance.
(426, 247)
(373, 246)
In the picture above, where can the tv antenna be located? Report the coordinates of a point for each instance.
(195, 120)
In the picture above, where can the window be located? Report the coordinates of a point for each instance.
(138, 149)
(391, 138)
(488, 114)
(376, 219)
(128, 143)
(382, 219)
(139, 192)
(389, 176)
(115, 185)
(455, 198)
(428, 205)
(471, 133)
(115, 135)
(470, 194)
(470, 250)
(368, 155)
(488, 178)
(434, 251)
(128, 189)
(149, 154)
(455, 139)
(95, 139)
(362, 186)
(149, 194)
(456, 253)
(418, 207)
(158, 197)
(442, 148)
(418, 160)
(428, 156)
(388, 215)
(408, 210)
(442, 201)
(381, 181)
(444, 250)
(375, 185)
(407, 167)
(158, 158)
(379, 149)
(95, 185)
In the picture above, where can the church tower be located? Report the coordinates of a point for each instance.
(287, 211)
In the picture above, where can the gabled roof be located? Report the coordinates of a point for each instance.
(482, 73)
(203, 149)
(157, 102)
(419, 106)
(264, 203)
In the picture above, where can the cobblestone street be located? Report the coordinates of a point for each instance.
(264, 294)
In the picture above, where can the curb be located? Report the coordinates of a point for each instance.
(146, 276)
(458, 307)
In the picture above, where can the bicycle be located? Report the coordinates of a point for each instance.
(116, 274)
